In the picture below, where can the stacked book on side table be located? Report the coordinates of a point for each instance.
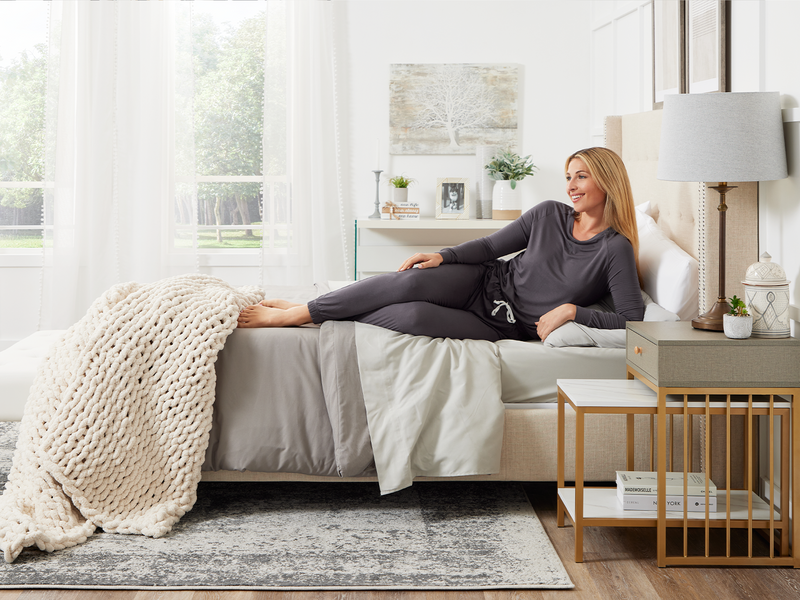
(637, 490)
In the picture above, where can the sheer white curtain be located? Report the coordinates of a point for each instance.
(120, 148)
(118, 73)
(319, 216)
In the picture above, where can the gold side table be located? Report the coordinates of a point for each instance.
(737, 509)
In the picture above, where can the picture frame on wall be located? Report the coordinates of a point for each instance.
(452, 198)
(669, 50)
(452, 108)
(706, 46)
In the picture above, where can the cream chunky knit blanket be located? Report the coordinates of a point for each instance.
(116, 425)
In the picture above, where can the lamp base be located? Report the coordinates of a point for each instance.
(712, 320)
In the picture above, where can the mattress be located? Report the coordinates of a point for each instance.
(252, 438)
(529, 369)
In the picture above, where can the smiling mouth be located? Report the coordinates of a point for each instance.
(576, 198)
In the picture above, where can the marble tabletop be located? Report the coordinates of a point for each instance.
(614, 393)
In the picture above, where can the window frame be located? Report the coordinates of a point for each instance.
(7, 253)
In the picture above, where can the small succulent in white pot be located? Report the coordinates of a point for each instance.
(399, 184)
(737, 324)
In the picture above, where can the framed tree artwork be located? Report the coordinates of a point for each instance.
(452, 108)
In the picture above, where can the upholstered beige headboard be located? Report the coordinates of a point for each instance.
(687, 212)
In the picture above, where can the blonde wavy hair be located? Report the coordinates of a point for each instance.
(608, 170)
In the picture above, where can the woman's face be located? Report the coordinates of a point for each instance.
(582, 188)
(453, 194)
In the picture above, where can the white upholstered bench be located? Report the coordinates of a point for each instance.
(18, 366)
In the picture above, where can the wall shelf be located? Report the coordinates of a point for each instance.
(381, 245)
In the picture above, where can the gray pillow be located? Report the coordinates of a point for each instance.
(575, 334)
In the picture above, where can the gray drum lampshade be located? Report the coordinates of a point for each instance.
(722, 137)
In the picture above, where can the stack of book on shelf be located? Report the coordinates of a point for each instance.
(637, 490)
(400, 211)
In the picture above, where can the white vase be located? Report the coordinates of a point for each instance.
(399, 195)
(737, 328)
(484, 184)
(506, 202)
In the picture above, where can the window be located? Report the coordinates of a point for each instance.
(231, 190)
(23, 81)
(238, 199)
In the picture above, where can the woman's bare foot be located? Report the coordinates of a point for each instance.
(278, 303)
(266, 316)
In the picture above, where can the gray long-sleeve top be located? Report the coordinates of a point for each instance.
(557, 269)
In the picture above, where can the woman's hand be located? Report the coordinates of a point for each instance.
(425, 261)
(554, 319)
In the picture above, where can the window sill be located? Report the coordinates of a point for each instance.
(20, 257)
(225, 258)
(32, 258)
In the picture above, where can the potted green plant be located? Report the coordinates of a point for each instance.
(507, 168)
(737, 324)
(399, 184)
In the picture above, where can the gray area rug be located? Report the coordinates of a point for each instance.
(304, 536)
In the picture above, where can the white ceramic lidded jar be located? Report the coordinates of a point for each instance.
(766, 294)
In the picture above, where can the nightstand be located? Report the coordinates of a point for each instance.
(726, 377)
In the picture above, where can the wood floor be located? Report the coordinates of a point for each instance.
(619, 564)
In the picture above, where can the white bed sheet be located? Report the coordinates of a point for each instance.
(529, 370)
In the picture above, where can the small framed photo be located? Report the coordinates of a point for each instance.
(452, 198)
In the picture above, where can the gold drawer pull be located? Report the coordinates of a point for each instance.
(637, 349)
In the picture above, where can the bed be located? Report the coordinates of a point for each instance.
(679, 253)
(257, 395)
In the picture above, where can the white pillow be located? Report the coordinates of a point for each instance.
(669, 274)
(575, 334)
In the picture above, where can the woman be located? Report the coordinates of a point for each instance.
(572, 257)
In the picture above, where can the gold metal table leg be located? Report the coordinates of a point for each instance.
(579, 432)
(795, 474)
(629, 427)
(661, 509)
(560, 451)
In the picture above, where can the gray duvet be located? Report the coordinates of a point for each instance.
(290, 400)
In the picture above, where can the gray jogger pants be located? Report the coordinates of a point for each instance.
(446, 301)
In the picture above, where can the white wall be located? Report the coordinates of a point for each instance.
(546, 38)
(772, 23)
(763, 58)
(20, 282)
(622, 61)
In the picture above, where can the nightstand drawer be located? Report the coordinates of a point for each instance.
(642, 354)
(673, 354)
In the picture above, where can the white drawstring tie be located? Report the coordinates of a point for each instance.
(509, 314)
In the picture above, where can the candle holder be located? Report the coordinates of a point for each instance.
(377, 213)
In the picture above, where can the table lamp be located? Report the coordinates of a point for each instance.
(721, 137)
